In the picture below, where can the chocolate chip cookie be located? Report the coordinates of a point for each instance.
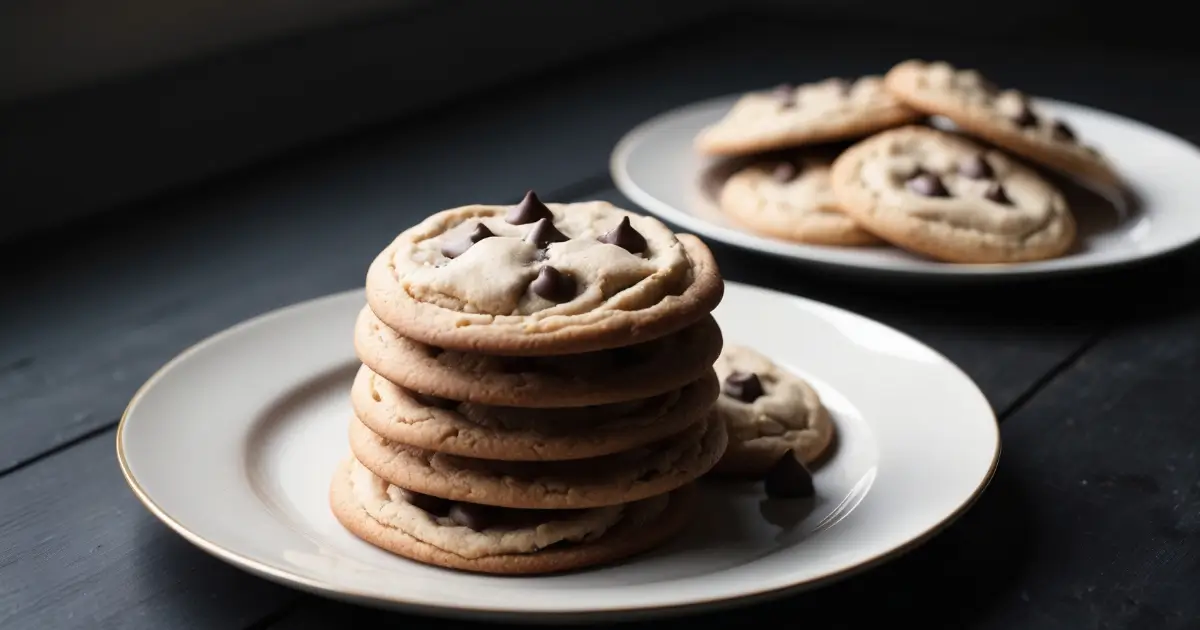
(593, 378)
(541, 279)
(812, 113)
(486, 539)
(515, 434)
(769, 412)
(622, 477)
(951, 199)
(1002, 117)
(791, 199)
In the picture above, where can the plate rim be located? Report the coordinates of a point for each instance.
(331, 590)
(618, 160)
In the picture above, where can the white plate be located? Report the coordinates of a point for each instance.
(656, 166)
(233, 444)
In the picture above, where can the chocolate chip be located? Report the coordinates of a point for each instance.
(543, 233)
(743, 386)
(789, 479)
(553, 285)
(975, 167)
(436, 506)
(785, 172)
(785, 93)
(436, 402)
(1062, 131)
(843, 86)
(1025, 116)
(625, 237)
(927, 185)
(529, 210)
(473, 516)
(996, 193)
(454, 250)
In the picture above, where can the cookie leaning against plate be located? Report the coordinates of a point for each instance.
(944, 196)
(594, 482)
(767, 411)
(494, 540)
(515, 434)
(593, 378)
(537, 279)
(812, 113)
(1003, 117)
(791, 199)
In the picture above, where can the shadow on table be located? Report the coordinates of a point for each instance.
(954, 580)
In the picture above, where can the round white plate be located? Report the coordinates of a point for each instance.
(656, 166)
(233, 445)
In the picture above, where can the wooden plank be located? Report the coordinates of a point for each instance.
(80, 551)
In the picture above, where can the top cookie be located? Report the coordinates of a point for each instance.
(541, 279)
(952, 199)
(1003, 117)
(829, 110)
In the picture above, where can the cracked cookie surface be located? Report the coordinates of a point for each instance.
(594, 482)
(1003, 117)
(812, 113)
(541, 279)
(603, 376)
(791, 198)
(767, 411)
(522, 434)
(544, 542)
(951, 199)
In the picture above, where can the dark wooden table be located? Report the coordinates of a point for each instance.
(1093, 520)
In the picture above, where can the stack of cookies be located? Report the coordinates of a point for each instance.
(980, 190)
(537, 388)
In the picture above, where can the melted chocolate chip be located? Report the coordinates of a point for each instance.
(1062, 131)
(1025, 116)
(743, 386)
(785, 172)
(436, 506)
(996, 193)
(553, 285)
(436, 402)
(842, 85)
(785, 93)
(789, 479)
(625, 237)
(927, 185)
(975, 167)
(473, 516)
(529, 210)
(454, 250)
(543, 233)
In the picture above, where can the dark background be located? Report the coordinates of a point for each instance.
(105, 102)
(171, 169)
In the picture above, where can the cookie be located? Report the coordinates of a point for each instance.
(593, 378)
(515, 434)
(495, 540)
(594, 482)
(767, 411)
(541, 279)
(791, 199)
(812, 113)
(951, 199)
(1004, 118)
